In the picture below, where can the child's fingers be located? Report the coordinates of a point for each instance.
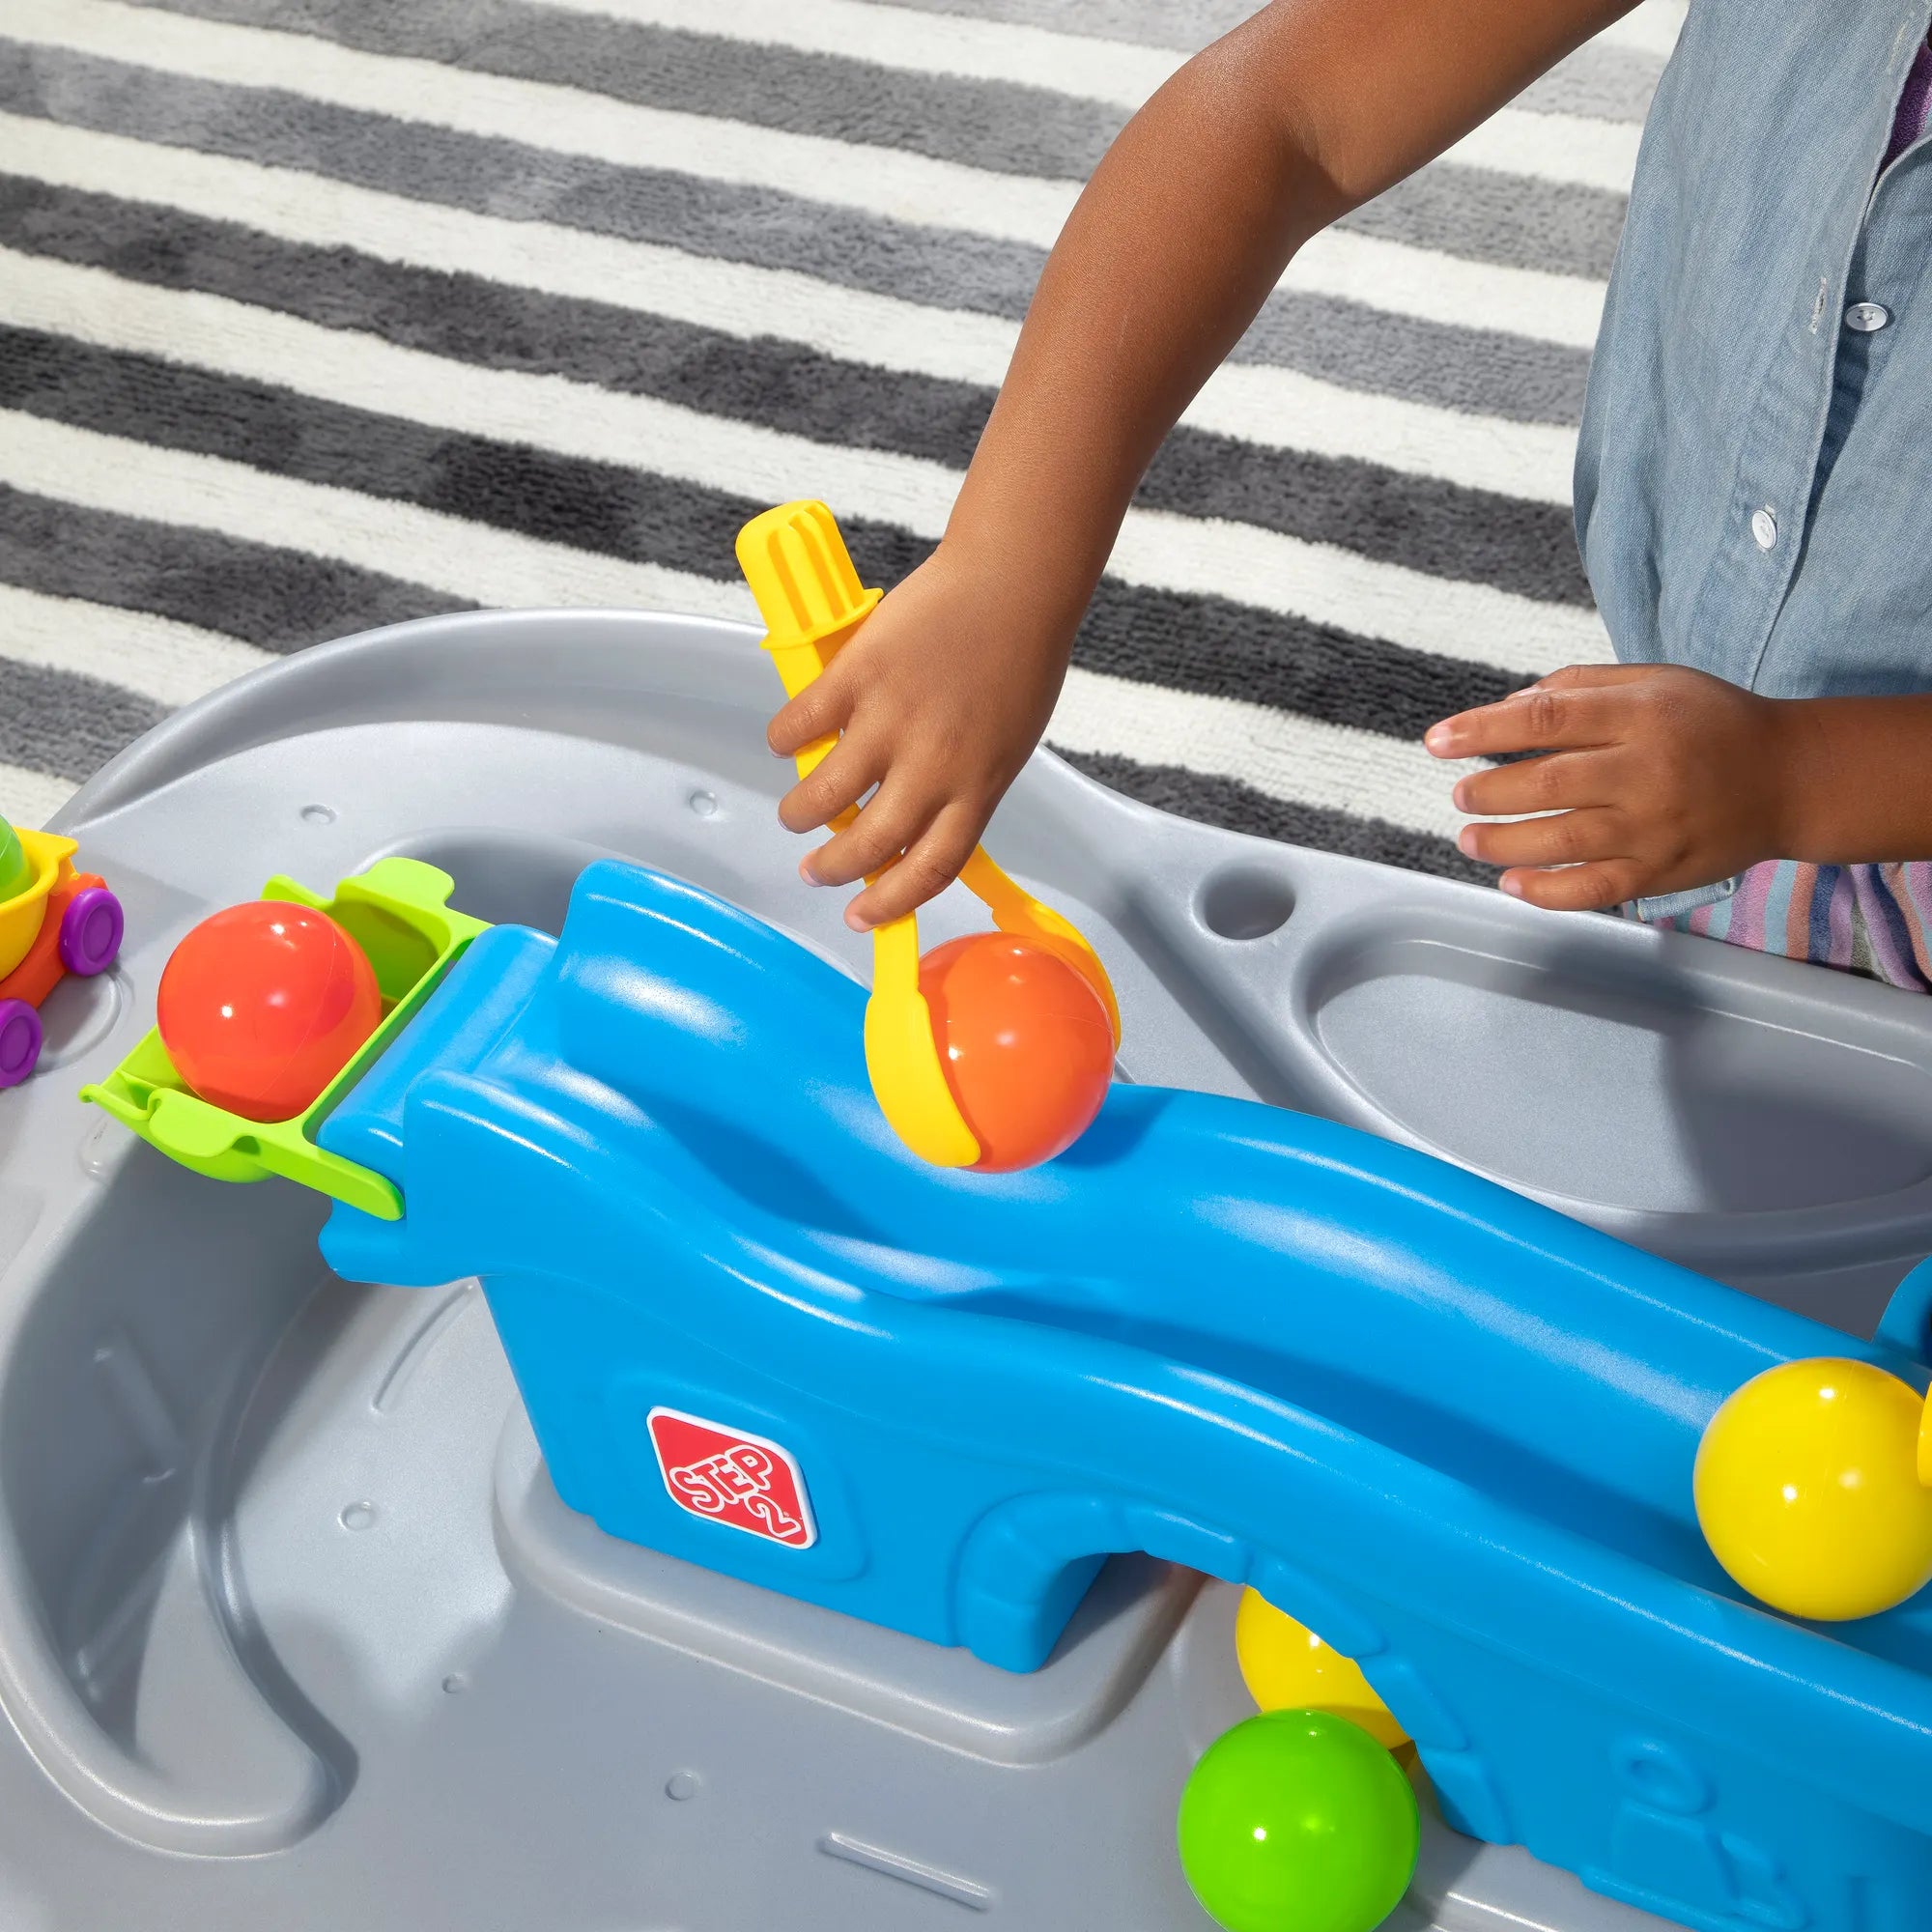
(930, 865)
(896, 816)
(1564, 839)
(1557, 783)
(1592, 888)
(1545, 717)
(824, 707)
(846, 774)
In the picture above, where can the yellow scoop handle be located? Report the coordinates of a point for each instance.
(809, 594)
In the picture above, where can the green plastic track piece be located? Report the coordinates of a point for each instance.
(399, 913)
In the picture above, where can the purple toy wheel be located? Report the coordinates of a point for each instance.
(90, 934)
(19, 1042)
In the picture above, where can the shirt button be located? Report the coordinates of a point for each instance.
(1764, 528)
(1867, 318)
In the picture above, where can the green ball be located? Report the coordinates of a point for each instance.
(1297, 1821)
(16, 875)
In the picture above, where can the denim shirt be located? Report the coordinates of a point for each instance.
(1754, 471)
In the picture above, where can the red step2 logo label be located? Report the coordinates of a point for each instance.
(727, 1477)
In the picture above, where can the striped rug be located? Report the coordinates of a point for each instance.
(321, 314)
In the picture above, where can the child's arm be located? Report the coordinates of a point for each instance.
(1307, 110)
(1657, 778)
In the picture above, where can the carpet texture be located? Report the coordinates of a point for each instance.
(322, 314)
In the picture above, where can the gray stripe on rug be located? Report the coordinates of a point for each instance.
(1482, 372)
(277, 599)
(65, 724)
(592, 506)
(1240, 807)
(1478, 371)
(1599, 83)
(1419, 522)
(988, 125)
(1563, 229)
(832, 94)
(992, 125)
(1608, 83)
(1218, 649)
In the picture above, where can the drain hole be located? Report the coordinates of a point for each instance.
(1245, 904)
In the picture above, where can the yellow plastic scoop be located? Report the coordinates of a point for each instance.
(812, 601)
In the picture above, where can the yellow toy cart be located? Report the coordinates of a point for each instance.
(54, 922)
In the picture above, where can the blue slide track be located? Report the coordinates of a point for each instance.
(1450, 1430)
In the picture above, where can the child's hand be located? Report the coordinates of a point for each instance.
(1310, 108)
(1659, 778)
(940, 697)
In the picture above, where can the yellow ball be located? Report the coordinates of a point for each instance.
(1287, 1667)
(1807, 1489)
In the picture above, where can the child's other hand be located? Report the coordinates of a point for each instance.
(1656, 780)
(939, 700)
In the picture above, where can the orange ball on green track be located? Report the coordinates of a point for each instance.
(262, 1006)
(1297, 1821)
(1024, 1042)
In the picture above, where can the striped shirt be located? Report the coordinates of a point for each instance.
(1873, 920)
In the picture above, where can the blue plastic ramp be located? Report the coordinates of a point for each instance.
(1450, 1430)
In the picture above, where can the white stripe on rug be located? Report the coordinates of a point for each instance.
(171, 663)
(31, 798)
(1279, 753)
(1285, 409)
(886, 183)
(1559, 148)
(1257, 403)
(1156, 550)
(1446, 288)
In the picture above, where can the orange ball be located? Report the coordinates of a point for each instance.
(262, 1006)
(1025, 1045)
